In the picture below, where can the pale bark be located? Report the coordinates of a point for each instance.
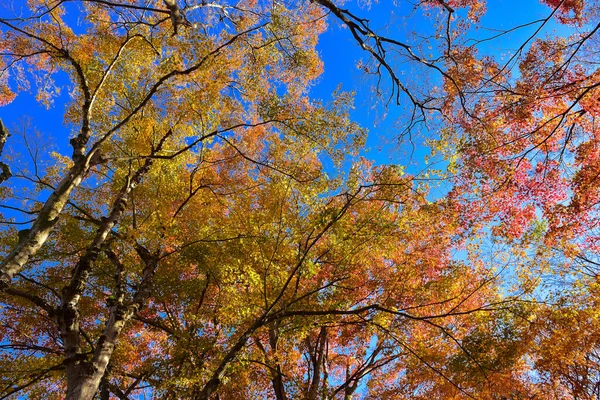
(177, 17)
(84, 377)
(43, 224)
(87, 382)
(48, 215)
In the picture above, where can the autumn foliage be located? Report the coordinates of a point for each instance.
(210, 230)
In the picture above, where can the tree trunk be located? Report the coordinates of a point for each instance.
(278, 387)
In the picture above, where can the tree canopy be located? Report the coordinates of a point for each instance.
(205, 227)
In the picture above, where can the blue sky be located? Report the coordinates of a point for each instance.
(340, 55)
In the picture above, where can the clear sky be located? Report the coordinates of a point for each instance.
(340, 55)
(398, 20)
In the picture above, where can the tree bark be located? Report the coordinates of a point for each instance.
(43, 224)
(84, 377)
(277, 376)
(317, 356)
(84, 384)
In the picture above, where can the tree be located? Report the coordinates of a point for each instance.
(197, 243)
(527, 137)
